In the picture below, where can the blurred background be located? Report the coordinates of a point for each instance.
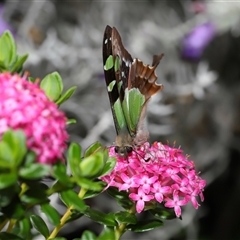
(198, 109)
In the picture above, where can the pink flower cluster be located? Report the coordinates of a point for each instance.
(157, 173)
(23, 105)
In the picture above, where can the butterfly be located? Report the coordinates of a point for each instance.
(130, 85)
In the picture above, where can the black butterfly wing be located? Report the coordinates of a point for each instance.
(117, 62)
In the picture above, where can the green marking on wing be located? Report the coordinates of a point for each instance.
(121, 122)
(132, 108)
(119, 86)
(116, 64)
(111, 85)
(109, 63)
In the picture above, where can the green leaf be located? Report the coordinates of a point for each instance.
(66, 95)
(93, 149)
(7, 194)
(7, 179)
(14, 210)
(30, 158)
(70, 198)
(59, 187)
(52, 85)
(51, 213)
(144, 226)
(37, 193)
(125, 217)
(108, 233)
(8, 50)
(75, 214)
(35, 171)
(163, 213)
(60, 173)
(74, 158)
(6, 155)
(90, 185)
(9, 236)
(92, 165)
(100, 217)
(18, 65)
(87, 235)
(121, 197)
(16, 140)
(71, 121)
(109, 166)
(91, 194)
(24, 226)
(39, 225)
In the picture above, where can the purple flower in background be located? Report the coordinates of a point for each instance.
(196, 41)
(3, 24)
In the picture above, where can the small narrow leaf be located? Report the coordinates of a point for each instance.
(144, 226)
(71, 121)
(92, 149)
(18, 65)
(109, 166)
(66, 95)
(35, 171)
(6, 155)
(8, 49)
(7, 179)
(52, 86)
(90, 185)
(125, 217)
(9, 236)
(92, 165)
(87, 235)
(17, 141)
(74, 158)
(108, 233)
(24, 226)
(39, 225)
(60, 173)
(100, 217)
(70, 198)
(51, 213)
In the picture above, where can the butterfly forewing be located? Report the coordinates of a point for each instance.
(130, 85)
(117, 62)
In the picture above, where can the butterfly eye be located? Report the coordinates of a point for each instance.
(116, 149)
(129, 149)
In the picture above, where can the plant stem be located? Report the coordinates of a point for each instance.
(66, 216)
(121, 228)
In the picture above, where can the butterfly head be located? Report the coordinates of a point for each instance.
(123, 144)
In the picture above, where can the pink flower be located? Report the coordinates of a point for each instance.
(141, 197)
(157, 174)
(23, 105)
(176, 203)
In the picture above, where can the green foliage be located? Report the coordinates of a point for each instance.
(39, 225)
(9, 60)
(53, 86)
(144, 226)
(87, 235)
